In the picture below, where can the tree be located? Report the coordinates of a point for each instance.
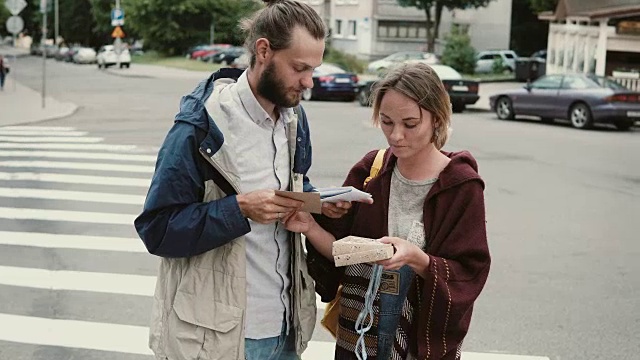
(433, 22)
(172, 26)
(458, 52)
(524, 22)
(539, 6)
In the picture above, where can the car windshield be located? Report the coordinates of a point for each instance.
(607, 83)
(446, 72)
(329, 69)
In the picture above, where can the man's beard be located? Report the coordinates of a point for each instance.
(273, 90)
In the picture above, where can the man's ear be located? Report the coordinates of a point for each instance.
(263, 50)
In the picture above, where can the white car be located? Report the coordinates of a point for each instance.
(382, 65)
(486, 59)
(84, 56)
(107, 56)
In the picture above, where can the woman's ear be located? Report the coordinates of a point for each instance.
(263, 50)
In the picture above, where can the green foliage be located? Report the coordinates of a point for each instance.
(498, 66)
(173, 26)
(433, 27)
(524, 22)
(539, 6)
(458, 52)
(344, 60)
(4, 15)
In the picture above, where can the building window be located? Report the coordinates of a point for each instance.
(401, 30)
(352, 28)
(338, 29)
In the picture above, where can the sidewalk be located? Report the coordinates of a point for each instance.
(488, 89)
(20, 105)
(156, 72)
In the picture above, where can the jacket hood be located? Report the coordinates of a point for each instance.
(192, 106)
(462, 168)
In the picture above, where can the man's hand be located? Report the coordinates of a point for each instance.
(337, 210)
(265, 207)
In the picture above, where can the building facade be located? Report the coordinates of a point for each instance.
(371, 29)
(594, 36)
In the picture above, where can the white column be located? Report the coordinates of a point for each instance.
(587, 52)
(551, 48)
(601, 48)
(565, 48)
(577, 42)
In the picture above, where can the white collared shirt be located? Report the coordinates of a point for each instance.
(263, 162)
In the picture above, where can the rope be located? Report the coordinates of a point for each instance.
(372, 290)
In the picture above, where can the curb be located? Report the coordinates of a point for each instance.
(114, 73)
(70, 113)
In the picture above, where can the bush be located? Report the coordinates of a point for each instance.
(458, 52)
(346, 61)
(498, 66)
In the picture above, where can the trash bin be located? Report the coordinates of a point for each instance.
(529, 69)
(522, 69)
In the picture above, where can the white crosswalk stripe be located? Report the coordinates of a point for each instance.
(66, 171)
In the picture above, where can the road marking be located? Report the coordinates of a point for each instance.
(39, 128)
(10, 132)
(134, 339)
(78, 155)
(63, 241)
(62, 215)
(77, 166)
(75, 179)
(58, 146)
(49, 194)
(75, 334)
(49, 139)
(124, 284)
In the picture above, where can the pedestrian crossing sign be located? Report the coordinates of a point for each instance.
(117, 33)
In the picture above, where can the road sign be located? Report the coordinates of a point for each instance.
(117, 17)
(15, 6)
(15, 24)
(117, 32)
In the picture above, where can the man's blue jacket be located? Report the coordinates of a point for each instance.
(175, 222)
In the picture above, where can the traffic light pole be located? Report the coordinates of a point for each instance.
(44, 53)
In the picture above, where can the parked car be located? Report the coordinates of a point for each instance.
(62, 53)
(107, 56)
(226, 57)
(584, 99)
(68, 57)
(85, 55)
(242, 61)
(461, 92)
(485, 60)
(382, 65)
(332, 82)
(207, 52)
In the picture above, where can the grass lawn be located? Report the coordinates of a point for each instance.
(489, 77)
(179, 62)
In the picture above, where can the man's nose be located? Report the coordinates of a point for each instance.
(307, 81)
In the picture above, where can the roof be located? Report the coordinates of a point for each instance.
(593, 9)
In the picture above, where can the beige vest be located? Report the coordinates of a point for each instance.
(199, 303)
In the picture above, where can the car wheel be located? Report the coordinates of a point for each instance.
(363, 98)
(624, 125)
(99, 66)
(504, 109)
(546, 120)
(307, 94)
(458, 108)
(580, 116)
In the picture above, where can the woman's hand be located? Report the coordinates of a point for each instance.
(298, 221)
(406, 253)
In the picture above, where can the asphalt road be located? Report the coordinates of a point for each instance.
(562, 217)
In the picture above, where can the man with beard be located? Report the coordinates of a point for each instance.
(233, 282)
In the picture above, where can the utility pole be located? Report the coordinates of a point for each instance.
(212, 32)
(57, 19)
(43, 8)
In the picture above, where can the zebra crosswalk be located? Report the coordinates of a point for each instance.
(75, 281)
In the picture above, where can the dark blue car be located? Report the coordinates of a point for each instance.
(332, 82)
(583, 99)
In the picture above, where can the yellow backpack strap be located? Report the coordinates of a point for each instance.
(376, 166)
